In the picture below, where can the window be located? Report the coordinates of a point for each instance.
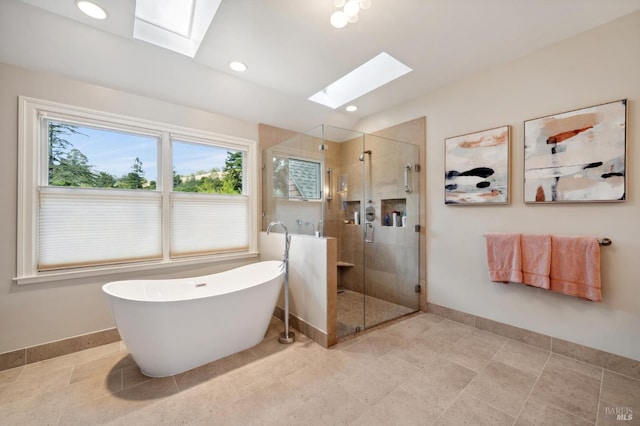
(296, 178)
(76, 212)
(202, 222)
(99, 192)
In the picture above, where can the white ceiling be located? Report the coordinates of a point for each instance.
(291, 49)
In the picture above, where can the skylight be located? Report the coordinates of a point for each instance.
(178, 25)
(174, 16)
(374, 73)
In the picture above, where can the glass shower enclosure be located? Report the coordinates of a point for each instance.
(363, 190)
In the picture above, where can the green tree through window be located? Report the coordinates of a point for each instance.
(232, 181)
(69, 166)
(135, 178)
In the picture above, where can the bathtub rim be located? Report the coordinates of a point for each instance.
(106, 288)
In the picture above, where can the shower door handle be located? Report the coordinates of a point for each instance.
(368, 232)
(407, 180)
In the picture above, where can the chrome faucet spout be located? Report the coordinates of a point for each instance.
(287, 238)
(272, 224)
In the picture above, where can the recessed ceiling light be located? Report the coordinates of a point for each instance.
(238, 66)
(91, 9)
(352, 108)
(374, 73)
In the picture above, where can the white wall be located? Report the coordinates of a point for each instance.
(39, 313)
(599, 66)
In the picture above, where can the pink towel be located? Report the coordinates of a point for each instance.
(575, 266)
(503, 257)
(536, 260)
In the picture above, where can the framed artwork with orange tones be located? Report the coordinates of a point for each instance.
(477, 167)
(576, 156)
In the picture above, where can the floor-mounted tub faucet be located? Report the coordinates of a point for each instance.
(286, 336)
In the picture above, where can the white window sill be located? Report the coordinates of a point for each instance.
(46, 277)
(296, 200)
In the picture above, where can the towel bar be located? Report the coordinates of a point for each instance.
(604, 241)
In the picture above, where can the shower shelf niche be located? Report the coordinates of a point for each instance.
(389, 206)
(350, 207)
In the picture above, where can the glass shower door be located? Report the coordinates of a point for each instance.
(390, 238)
(371, 178)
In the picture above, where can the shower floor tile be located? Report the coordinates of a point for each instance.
(354, 313)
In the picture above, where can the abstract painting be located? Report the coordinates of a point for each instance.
(576, 156)
(477, 167)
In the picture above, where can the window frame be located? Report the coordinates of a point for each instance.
(307, 159)
(33, 170)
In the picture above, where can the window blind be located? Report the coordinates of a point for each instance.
(87, 227)
(205, 223)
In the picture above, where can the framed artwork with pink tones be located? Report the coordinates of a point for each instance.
(576, 156)
(477, 167)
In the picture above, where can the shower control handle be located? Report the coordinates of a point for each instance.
(368, 232)
(370, 213)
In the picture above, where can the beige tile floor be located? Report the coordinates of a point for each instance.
(421, 370)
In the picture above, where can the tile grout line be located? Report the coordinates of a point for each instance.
(571, 414)
(506, 340)
(459, 393)
(532, 388)
(292, 391)
(175, 382)
(20, 374)
(475, 377)
(599, 395)
(451, 404)
(73, 370)
(637, 379)
(490, 405)
(369, 407)
(577, 372)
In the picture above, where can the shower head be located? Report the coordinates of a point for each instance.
(363, 153)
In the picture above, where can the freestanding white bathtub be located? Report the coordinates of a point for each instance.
(170, 326)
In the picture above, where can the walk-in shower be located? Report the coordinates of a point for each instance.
(355, 186)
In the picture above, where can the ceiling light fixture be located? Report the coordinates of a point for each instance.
(347, 12)
(351, 108)
(238, 66)
(91, 9)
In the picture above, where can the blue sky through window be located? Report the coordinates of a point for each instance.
(189, 158)
(114, 152)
